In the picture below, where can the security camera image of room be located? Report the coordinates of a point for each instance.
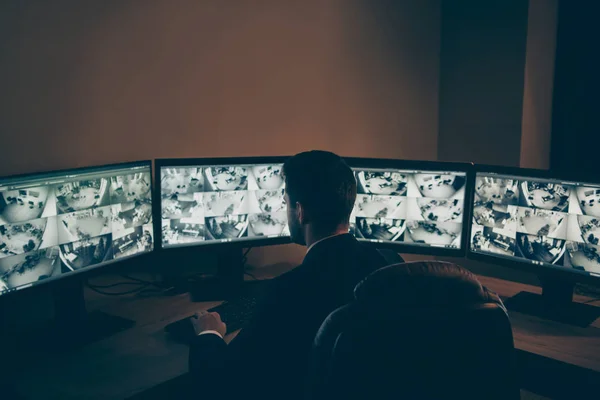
(493, 240)
(540, 248)
(218, 204)
(268, 177)
(433, 233)
(29, 267)
(586, 229)
(183, 231)
(380, 207)
(183, 206)
(539, 222)
(381, 183)
(493, 216)
(133, 241)
(583, 256)
(87, 252)
(129, 215)
(226, 227)
(28, 236)
(128, 188)
(495, 201)
(274, 224)
(544, 195)
(379, 229)
(181, 180)
(270, 201)
(438, 186)
(440, 210)
(80, 195)
(26, 204)
(86, 224)
(497, 191)
(588, 199)
(226, 178)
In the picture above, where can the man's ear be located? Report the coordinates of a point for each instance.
(301, 214)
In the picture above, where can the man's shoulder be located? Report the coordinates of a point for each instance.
(291, 277)
(329, 256)
(349, 250)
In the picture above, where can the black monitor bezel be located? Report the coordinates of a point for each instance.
(189, 162)
(85, 273)
(552, 272)
(382, 163)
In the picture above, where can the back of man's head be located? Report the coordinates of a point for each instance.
(324, 185)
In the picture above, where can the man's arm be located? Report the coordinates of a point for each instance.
(208, 350)
(207, 356)
(254, 355)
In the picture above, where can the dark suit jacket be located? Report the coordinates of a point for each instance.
(269, 358)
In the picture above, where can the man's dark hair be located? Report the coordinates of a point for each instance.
(324, 184)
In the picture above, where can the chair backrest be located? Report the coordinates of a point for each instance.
(390, 256)
(455, 342)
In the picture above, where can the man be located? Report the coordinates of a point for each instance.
(268, 359)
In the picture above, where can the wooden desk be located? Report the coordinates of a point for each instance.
(138, 359)
(569, 344)
(554, 359)
(121, 365)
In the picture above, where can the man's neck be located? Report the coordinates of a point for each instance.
(312, 238)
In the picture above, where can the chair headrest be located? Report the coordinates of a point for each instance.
(422, 284)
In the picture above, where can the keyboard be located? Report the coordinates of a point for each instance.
(238, 313)
(235, 313)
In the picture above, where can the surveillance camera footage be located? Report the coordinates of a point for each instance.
(274, 224)
(62, 222)
(381, 183)
(537, 220)
(222, 203)
(389, 230)
(422, 208)
(28, 268)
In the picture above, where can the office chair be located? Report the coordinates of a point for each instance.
(419, 330)
(390, 256)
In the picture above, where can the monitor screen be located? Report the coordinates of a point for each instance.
(411, 207)
(58, 223)
(539, 221)
(215, 203)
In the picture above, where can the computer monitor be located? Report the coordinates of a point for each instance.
(222, 201)
(221, 205)
(62, 224)
(411, 206)
(532, 220)
(57, 224)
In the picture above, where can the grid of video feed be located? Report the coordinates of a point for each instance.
(58, 224)
(423, 208)
(222, 203)
(541, 221)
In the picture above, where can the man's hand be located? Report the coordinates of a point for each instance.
(205, 321)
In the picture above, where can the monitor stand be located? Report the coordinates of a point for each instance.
(555, 303)
(73, 326)
(229, 279)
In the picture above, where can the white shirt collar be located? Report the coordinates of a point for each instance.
(325, 238)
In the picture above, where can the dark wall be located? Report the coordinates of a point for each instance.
(575, 117)
(89, 82)
(482, 67)
(539, 84)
